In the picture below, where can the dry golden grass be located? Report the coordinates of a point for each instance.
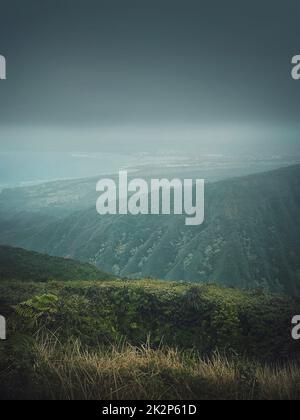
(125, 372)
(280, 383)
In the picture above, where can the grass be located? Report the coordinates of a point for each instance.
(219, 344)
(71, 372)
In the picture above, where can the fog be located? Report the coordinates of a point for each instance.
(126, 77)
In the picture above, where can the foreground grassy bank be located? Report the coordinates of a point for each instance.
(203, 342)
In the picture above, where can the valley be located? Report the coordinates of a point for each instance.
(249, 239)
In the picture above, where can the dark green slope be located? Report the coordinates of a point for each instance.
(250, 237)
(18, 264)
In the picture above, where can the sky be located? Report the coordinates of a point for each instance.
(135, 75)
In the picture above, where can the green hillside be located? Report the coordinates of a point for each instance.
(146, 339)
(250, 237)
(19, 264)
(97, 339)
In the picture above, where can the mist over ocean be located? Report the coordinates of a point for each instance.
(23, 168)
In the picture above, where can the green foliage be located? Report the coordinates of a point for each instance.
(38, 308)
(205, 318)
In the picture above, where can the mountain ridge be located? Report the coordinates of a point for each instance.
(249, 239)
(23, 265)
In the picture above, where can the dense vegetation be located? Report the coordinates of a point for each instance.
(19, 264)
(206, 318)
(146, 339)
(250, 237)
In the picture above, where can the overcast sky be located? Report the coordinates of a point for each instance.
(141, 74)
